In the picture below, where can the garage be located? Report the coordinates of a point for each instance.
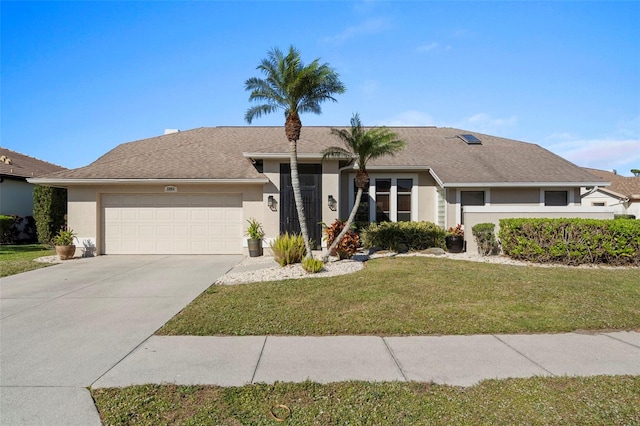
(208, 223)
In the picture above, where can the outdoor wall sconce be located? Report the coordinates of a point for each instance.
(271, 202)
(332, 203)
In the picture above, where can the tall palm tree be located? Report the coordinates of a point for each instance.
(360, 146)
(293, 87)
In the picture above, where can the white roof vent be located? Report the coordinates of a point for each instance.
(169, 131)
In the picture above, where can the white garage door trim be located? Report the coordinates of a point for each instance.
(207, 223)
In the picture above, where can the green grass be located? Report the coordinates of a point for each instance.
(597, 400)
(15, 259)
(421, 296)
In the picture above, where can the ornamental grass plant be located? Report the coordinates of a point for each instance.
(288, 249)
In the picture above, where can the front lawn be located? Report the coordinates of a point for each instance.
(15, 259)
(561, 400)
(421, 296)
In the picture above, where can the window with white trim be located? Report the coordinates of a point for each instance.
(383, 200)
(556, 198)
(470, 198)
(403, 200)
(389, 198)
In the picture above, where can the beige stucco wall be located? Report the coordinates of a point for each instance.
(450, 216)
(271, 218)
(515, 196)
(84, 208)
(492, 214)
(16, 197)
(427, 198)
(330, 186)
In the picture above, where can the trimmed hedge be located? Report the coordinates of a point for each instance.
(49, 211)
(624, 216)
(485, 238)
(403, 236)
(572, 241)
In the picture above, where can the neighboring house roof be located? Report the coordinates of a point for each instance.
(226, 152)
(14, 164)
(621, 186)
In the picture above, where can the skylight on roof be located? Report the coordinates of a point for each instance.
(470, 139)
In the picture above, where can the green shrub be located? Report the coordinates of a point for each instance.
(17, 229)
(572, 241)
(403, 236)
(311, 265)
(49, 211)
(350, 243)
(288, 249)
(624, 216)
(64, 237)
(485, 236)
(254, 230)
(5, 225)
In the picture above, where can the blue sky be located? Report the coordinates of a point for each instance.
(79, 78)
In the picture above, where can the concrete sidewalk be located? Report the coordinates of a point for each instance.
(453, 360)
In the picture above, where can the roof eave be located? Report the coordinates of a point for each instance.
(522, 184)
(281, 155)
(67, 182)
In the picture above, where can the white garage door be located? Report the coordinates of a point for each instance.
(172, 223)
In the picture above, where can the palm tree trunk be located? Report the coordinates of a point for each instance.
(297, 196)
(346, 227)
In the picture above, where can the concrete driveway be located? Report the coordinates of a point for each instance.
(65, 326)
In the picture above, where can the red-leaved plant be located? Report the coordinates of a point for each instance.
(349, 244)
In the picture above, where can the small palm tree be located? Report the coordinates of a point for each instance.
(293, 87)
(360, 146)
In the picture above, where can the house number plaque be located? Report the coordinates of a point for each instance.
(170, 189)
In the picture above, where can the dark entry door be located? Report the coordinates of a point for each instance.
(310, 176)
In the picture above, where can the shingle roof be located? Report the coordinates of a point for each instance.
(621, 185)
(18, 165)
(217, 153)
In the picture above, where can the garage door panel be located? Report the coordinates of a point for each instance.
(199, 214)
(181, 214)
(230, 231)
(146, 214)
(172, 223)
(146, 231)
(164, 231)
(164, 214)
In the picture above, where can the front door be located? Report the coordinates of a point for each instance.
(310, 176)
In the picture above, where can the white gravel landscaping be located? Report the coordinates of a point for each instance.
(273, 272)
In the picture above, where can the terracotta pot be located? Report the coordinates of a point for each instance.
(65, 252)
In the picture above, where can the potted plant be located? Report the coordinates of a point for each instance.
(455, 239)
(65, 249)
(255, 234)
